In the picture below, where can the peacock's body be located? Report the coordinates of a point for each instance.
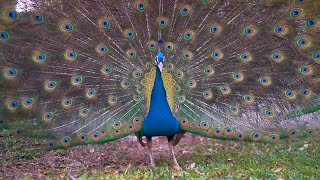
(92, 71)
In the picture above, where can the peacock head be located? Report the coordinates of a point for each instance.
(160, 56)
(160, 60)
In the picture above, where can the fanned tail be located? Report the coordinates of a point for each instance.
(81, 72)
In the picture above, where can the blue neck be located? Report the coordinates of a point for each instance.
(159, 121)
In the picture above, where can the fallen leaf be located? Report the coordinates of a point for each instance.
(117, 171)
(175, 175)
(278, 170)
(191, 166)
(71, 176)
(184, 152)
(128, 167)
(198, 172)
(289, 149)
(94, 172)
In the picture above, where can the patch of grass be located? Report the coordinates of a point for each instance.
(289, 159)
(213, 159)
(13, 148)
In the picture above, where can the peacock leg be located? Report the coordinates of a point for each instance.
(177, 138)
(175, 162)
(149, 145)
(140, 141)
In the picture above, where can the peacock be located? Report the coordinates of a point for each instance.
(77, 72)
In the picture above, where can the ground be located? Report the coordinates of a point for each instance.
(199, 157)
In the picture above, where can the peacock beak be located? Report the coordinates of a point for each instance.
(160, 65)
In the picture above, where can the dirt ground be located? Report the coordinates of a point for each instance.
(112, 157)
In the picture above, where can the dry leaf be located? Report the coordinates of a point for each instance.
(198, 172)
(71, 176)
(175, 174)
(184, 152)
(128, 167)
(278, 170)
(191, 166)
(289, 148)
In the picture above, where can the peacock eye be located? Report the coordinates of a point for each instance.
(247, 31)
(316, 55)
(39, 18)
(91, 92)
(184, 11)
(310, 23)
(78, 79)
(68, 27)
(41, 56)
(214, 29)
(141, 6)
(12, 72)
(52, 84)
(278, 29)
(14, 103)
(49, 115)
(106, 23)
(296, 12)
(29, 101)
(12, 14)
(162, 23)
(4, 35)
(292, 132)
(187, 35)
(302, 42)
